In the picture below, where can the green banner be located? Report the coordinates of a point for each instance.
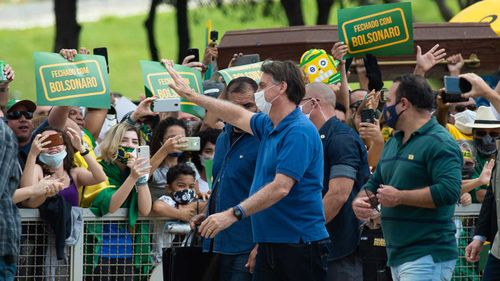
(156, 80)
(209, 163)
(82, 82)
(381, 30)
(249, 70)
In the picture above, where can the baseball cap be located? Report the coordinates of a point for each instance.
(12, 104)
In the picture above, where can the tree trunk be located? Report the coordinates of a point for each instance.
(150, 30)
(324, 7)
(67, 28)
(182, 28)
(445, 11)
(293, 10)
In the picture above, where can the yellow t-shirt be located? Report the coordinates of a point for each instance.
(456, 134)
(88, 193)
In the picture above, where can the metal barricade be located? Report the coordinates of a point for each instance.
(143, 243)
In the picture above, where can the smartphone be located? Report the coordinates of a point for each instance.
(166, 105)
(195, 53)
(55, 140)
(454, 87)
(214, 35)
(193, 144)
(368, 116)
(143, 152)
(102, 52)
(246, 59)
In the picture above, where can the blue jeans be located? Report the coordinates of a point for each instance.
(422, 269)
(232, 268)
(492, 269)
(292, 262)
(7, 270)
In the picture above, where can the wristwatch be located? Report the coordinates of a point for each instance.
(237, 212)
(85, 152)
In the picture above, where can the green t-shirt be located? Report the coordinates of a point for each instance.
(430, 158)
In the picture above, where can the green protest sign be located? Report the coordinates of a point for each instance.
(248, 70)
(82, 82)
(385, 29)
(156, 80)
(209, 163)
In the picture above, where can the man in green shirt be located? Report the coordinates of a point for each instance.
(417, 183)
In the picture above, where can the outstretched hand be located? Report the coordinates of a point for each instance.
(426, 61)
(180, 86)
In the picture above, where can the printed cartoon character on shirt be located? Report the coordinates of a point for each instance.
(318, 66)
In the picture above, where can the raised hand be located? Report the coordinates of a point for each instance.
(38, 144)
(211, 53)
(428, 60)
(233, 59)
(479, 86)
(143, 109)
(68, 54)
(76, 139)
(138, 167)
(193, 64)
(339, 50)
(485, 176)
(9, 73)
(455, 64)
(179, 85)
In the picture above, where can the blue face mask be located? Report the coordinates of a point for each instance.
(390, 115)
(53, 160)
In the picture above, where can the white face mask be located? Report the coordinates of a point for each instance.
(301, 107)
(203, 158)
(260, 100)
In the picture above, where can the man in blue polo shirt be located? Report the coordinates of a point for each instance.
(233, 169)
(345, 171)
(285, 199)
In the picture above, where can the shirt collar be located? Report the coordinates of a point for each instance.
(289, 119)
(421, 131)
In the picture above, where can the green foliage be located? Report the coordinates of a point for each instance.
(125, 38)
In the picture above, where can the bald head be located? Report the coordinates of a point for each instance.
(322, 93)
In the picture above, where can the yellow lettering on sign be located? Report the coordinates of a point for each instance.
(376, 36)
(385, 21)
(70, 72)
(73, 84)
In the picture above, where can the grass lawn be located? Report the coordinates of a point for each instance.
(125, 39)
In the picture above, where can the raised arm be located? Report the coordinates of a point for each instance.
(231, 113)
(339, 50)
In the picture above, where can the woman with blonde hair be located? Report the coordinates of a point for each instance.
(112, 244)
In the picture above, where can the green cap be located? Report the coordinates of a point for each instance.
(12, 104)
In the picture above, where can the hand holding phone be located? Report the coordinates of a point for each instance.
(214, 35)
(166, 105)
(194, 52)
(144, 154)
(454, 88)
(368, 116)
(193, 144)
(246, 59)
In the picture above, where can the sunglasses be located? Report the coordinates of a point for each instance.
(373, 201)
(14, 115)
(462, 108)
(484, 133)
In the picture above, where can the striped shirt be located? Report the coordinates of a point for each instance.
(10, 221)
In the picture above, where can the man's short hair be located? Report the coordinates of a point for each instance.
(241, 84)
(416, 90)
(289, 72)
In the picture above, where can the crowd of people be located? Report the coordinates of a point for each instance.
(300, 171)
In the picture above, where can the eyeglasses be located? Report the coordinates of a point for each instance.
(373, 200)
(484, 133)
(462, 108)
(14, 115)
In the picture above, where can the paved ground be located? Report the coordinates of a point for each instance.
(41, 13)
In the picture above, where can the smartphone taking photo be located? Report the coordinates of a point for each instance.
(454, 88)
(195, 52)
(102, 52)
(143, 153)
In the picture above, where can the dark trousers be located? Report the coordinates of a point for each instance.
(492, 269)
(290, 262)
(232, 268)
(348, 268)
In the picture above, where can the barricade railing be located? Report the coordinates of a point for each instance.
(88, 261)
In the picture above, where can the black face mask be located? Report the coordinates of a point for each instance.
(486, 145)
(467, 171)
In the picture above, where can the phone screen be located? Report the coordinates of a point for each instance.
(195, 53)
(452, 85)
